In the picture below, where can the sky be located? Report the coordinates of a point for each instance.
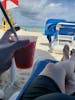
(37, 12)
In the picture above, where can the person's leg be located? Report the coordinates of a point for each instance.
(70, 86)
(65, 53)
(57, 73)
(56, 96)
(59, 70)
(72, 58)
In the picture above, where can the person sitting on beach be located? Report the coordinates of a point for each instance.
(55, 78)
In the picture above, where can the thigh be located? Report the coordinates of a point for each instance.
(55, 96)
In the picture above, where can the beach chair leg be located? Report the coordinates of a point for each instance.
(11, 76)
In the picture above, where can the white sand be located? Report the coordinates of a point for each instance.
(41, 51)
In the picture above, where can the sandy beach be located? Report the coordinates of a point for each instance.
(41, 51)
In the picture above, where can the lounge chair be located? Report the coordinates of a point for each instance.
(39, 65)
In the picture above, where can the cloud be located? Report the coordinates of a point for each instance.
(32, 10)
(38, 11)
(53, 5)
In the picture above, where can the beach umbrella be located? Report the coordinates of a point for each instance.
(9, 4)
(3, 3)
(3, 7)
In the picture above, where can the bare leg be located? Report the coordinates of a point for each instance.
(65, 53)
(72, 58)
(70, 85)
(56, 71)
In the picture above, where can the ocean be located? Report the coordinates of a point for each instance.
(31, 29)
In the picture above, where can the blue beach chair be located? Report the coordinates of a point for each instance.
(50, 28)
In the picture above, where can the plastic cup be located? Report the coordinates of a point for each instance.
(25, 55)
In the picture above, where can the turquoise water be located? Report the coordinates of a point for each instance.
(31, 29)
